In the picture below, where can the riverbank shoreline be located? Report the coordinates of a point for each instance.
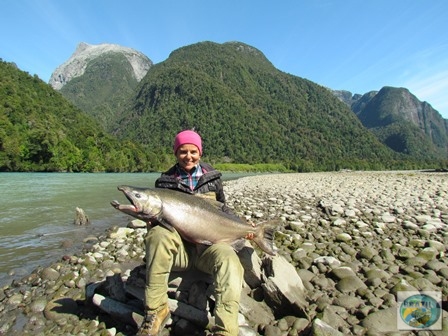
(389, 228)
(38, 212)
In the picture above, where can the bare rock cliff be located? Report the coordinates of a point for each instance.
(77, 63)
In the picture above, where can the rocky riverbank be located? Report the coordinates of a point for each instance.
(355, 239)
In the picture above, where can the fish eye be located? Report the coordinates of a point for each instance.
(138, 195)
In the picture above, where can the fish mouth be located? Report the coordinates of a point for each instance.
(131, 208)
(123, 207)
(128, 208)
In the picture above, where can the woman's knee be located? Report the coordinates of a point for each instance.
(160, 235)
(227, 260)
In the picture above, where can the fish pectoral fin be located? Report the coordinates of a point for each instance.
(166, 225)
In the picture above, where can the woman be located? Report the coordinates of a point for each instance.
(166, 250)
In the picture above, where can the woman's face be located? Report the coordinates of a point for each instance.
(188, 156)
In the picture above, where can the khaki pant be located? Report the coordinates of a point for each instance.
(166, 251)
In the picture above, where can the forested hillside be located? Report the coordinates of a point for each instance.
(246, 110)
(401, 121)
(249, 112)
(282, 118)
(103, 88)
(99, 78)
(41, 131)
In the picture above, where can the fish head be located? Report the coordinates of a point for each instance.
(144, 203)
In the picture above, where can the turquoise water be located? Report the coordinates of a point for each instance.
(37, 211)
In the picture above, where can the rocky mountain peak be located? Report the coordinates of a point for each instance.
(76, 65)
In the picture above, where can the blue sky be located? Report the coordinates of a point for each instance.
(354, 45)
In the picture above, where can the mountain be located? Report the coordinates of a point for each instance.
(85, 53)
(42, 131)
(99, 78)
(247, 111)
(401, 121)
(346, 96)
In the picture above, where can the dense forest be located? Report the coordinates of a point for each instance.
(103, 89)
(252, 117)
(40, 130)
(249, 112)
(406, 125)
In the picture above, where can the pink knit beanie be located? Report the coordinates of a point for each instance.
(187, 137)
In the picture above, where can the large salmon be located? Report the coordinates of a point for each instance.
(198, 220)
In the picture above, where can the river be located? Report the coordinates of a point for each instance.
(37, 212)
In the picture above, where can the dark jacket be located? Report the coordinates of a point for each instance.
(209, 184)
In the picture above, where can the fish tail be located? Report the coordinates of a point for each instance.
(264, 238)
